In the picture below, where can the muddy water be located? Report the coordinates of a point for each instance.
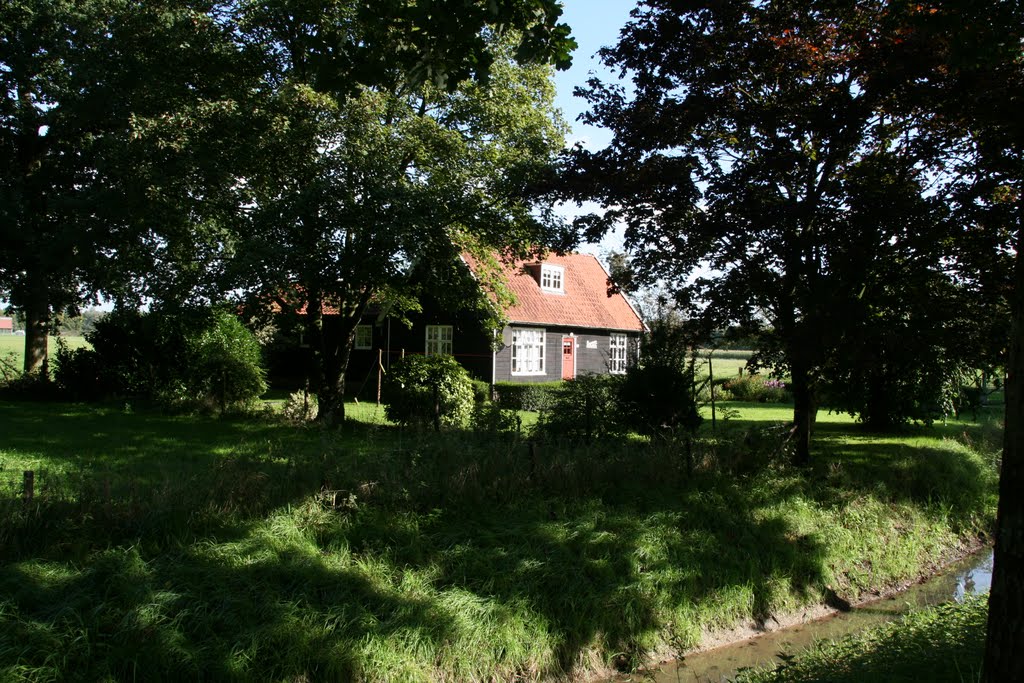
(971, 575)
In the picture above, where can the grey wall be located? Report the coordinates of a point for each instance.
(588, 360)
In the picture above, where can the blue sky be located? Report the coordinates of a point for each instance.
(595, 24)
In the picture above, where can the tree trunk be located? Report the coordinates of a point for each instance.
(1003, 658)
(331, 339)
(37, 327)
(803, 409)
(334, 365)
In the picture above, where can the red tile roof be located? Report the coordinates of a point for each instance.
(585, 303)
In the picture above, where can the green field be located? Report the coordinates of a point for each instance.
(12, 348)
(250, 549)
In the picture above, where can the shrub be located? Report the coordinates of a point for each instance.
(658, 398)
(757, 388)
(584, 409)
(196, 358)
(300, 407)
(536, 396)
(425, 390)
(489, 418)
(481, 391)
(79, 373)
(225, 364)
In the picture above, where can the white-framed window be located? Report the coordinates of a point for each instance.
(617, 353)
(527, 351)
(439, 340)
(364, 337)
(552, 279)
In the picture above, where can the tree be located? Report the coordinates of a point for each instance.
(124, 126)
(759, 148)
(79, 191)
(373, 181)
(977, 98)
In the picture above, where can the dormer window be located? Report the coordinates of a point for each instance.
(552, 279)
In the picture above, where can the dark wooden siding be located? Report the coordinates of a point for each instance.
(470, 346)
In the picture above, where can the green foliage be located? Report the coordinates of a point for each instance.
(756, 388)
(225, 363)
(944, 643)
(658, 393)
(824, 181)
(412, 166)
(535, 396)
(584, 409)
(195, 358)
(388, 552)
(489, 418)
(481, 391)
(429, 390)
(300, 407)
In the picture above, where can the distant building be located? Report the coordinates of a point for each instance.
(6, 325)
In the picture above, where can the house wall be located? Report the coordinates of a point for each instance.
(592, 353)
(470, 346)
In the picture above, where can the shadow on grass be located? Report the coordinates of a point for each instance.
(427, 556)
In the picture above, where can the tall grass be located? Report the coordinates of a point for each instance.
(945, 643)
(245, 549)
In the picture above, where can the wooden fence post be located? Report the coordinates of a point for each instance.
(380, 371)
(30, 485)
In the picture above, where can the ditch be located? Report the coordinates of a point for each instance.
(972, 574)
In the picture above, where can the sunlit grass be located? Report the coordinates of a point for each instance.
(12, 347)
(944, 643)
(250, 549)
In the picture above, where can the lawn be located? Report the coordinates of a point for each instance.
(12, 348)
(249, 549)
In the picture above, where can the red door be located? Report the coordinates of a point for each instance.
(568, 357)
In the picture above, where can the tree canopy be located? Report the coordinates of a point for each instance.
(125, 127)
(766, 163)
(354, 192)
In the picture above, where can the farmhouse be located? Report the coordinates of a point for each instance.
(563, 323)
(6, 325)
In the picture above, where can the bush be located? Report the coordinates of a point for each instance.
(492, 419)
(79, 373)
(536, 396)
(757, 388)
(225, 364)
(481, 391)
(584, 409)
(300, 407)
(196, 358)
(658, 398)
(425, 390)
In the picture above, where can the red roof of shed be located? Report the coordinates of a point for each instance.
(585, 303)
(6, 323)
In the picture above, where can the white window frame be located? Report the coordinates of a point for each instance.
(528, 344)
(364, 337)
(618, 343)
(439, 340)
(552, 279)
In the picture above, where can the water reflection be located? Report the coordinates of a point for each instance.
(971, 575)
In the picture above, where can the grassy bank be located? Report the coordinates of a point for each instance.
(942, 644)
(251, 550)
